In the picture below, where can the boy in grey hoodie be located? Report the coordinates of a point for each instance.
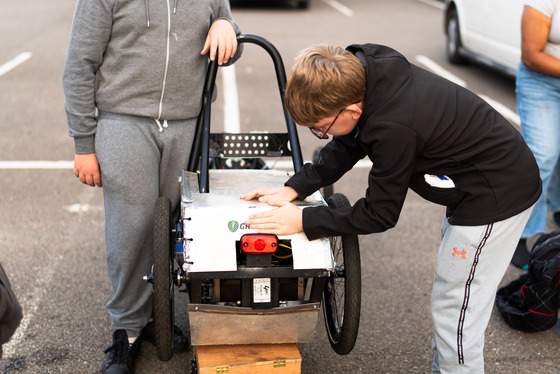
(133, 80)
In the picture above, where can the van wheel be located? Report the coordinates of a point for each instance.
(303, 4)
(454, 45)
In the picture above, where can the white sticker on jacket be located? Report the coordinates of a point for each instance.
(440, 181)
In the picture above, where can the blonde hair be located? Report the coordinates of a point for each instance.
(323, 80)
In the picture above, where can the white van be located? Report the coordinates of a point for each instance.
(484, 31)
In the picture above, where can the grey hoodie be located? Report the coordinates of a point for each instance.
(136, 57)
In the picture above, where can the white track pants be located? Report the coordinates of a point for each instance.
(471, 262)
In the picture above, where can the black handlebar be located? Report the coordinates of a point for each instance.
(200, 152)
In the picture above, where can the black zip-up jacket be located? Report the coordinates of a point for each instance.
(416, 123)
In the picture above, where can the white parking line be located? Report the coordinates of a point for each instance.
(18, 60)
(231, 100)
(69, 165)
(20, 165)
(503, 110)
(437, 69)
(434, 3)
(341, 8)
(288, 165)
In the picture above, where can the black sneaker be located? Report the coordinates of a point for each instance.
(181, 342)
(121, 355)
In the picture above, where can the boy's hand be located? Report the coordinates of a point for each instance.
(286, 220)
(221, 39)
(86, 168)
(272, 196)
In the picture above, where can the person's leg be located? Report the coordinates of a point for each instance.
(176, 143)
(129, 162)
(470, 265)
(553, 197)
(138, 164)
(553, 201)
(538, 105)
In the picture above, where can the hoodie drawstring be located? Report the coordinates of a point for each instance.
(148, 11)
(158, 122)
(161, 127)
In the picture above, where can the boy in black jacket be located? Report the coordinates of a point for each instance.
(428, 134)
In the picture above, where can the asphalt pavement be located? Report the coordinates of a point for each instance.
(51, 226)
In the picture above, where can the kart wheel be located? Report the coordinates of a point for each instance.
(342, 292)
(454, 44)
(194, 366)
(162, 280)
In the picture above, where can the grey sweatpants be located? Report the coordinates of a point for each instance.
(138, 164)
(471, 262)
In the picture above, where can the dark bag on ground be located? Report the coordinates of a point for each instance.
(530, 303)
(10, 310)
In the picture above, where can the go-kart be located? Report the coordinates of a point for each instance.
(245, 287)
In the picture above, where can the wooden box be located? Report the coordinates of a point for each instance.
(248, 359)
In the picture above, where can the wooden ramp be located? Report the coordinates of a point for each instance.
(248, 359)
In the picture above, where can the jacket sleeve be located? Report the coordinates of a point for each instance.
(392, 149)
(91, 30)
(10, 310)
(335, 159)
(224, 12)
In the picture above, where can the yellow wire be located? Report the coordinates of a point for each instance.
(284, 257)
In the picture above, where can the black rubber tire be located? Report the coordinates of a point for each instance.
(303, 4)
(453, 43)
(342, 296)
(162, 280)
(194, 366)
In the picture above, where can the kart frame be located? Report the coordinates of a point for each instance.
(225, 300)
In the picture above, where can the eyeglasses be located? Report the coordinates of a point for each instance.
(323, 134)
